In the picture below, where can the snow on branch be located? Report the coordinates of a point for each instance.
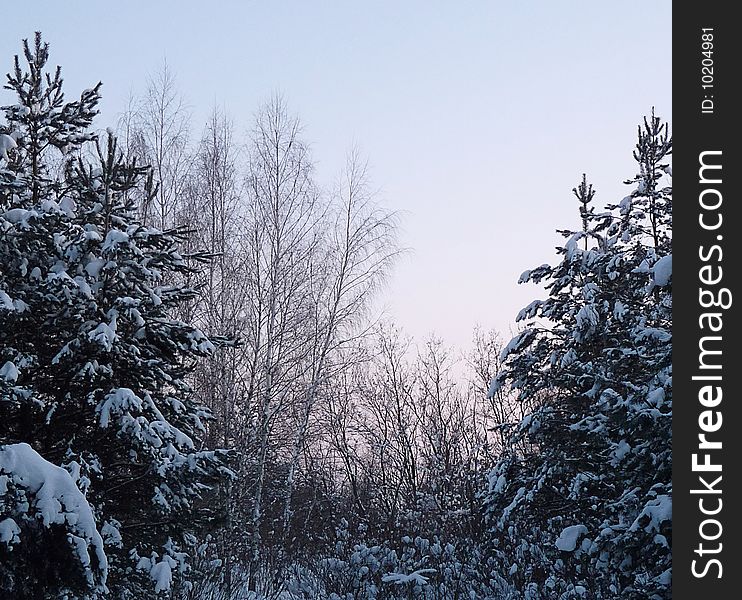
(49, 495)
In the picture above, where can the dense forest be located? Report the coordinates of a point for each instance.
(198, 399)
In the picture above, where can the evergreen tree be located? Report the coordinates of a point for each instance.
(580, 503)
(97, 364)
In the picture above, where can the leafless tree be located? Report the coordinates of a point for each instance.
(212, 212)
(358, 247)
(280, 239)
(156, 129)
(500, 409)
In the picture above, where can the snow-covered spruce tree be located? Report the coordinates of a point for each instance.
(92, 364)
(580, 503)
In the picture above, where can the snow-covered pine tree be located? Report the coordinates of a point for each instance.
(93, 364)
(580, 503)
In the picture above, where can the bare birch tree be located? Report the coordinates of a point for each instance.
(359, 247)
(281, 237)
(156, 131)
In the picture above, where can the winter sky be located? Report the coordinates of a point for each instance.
(478, 118)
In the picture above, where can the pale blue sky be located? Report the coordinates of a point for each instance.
(477, 117)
